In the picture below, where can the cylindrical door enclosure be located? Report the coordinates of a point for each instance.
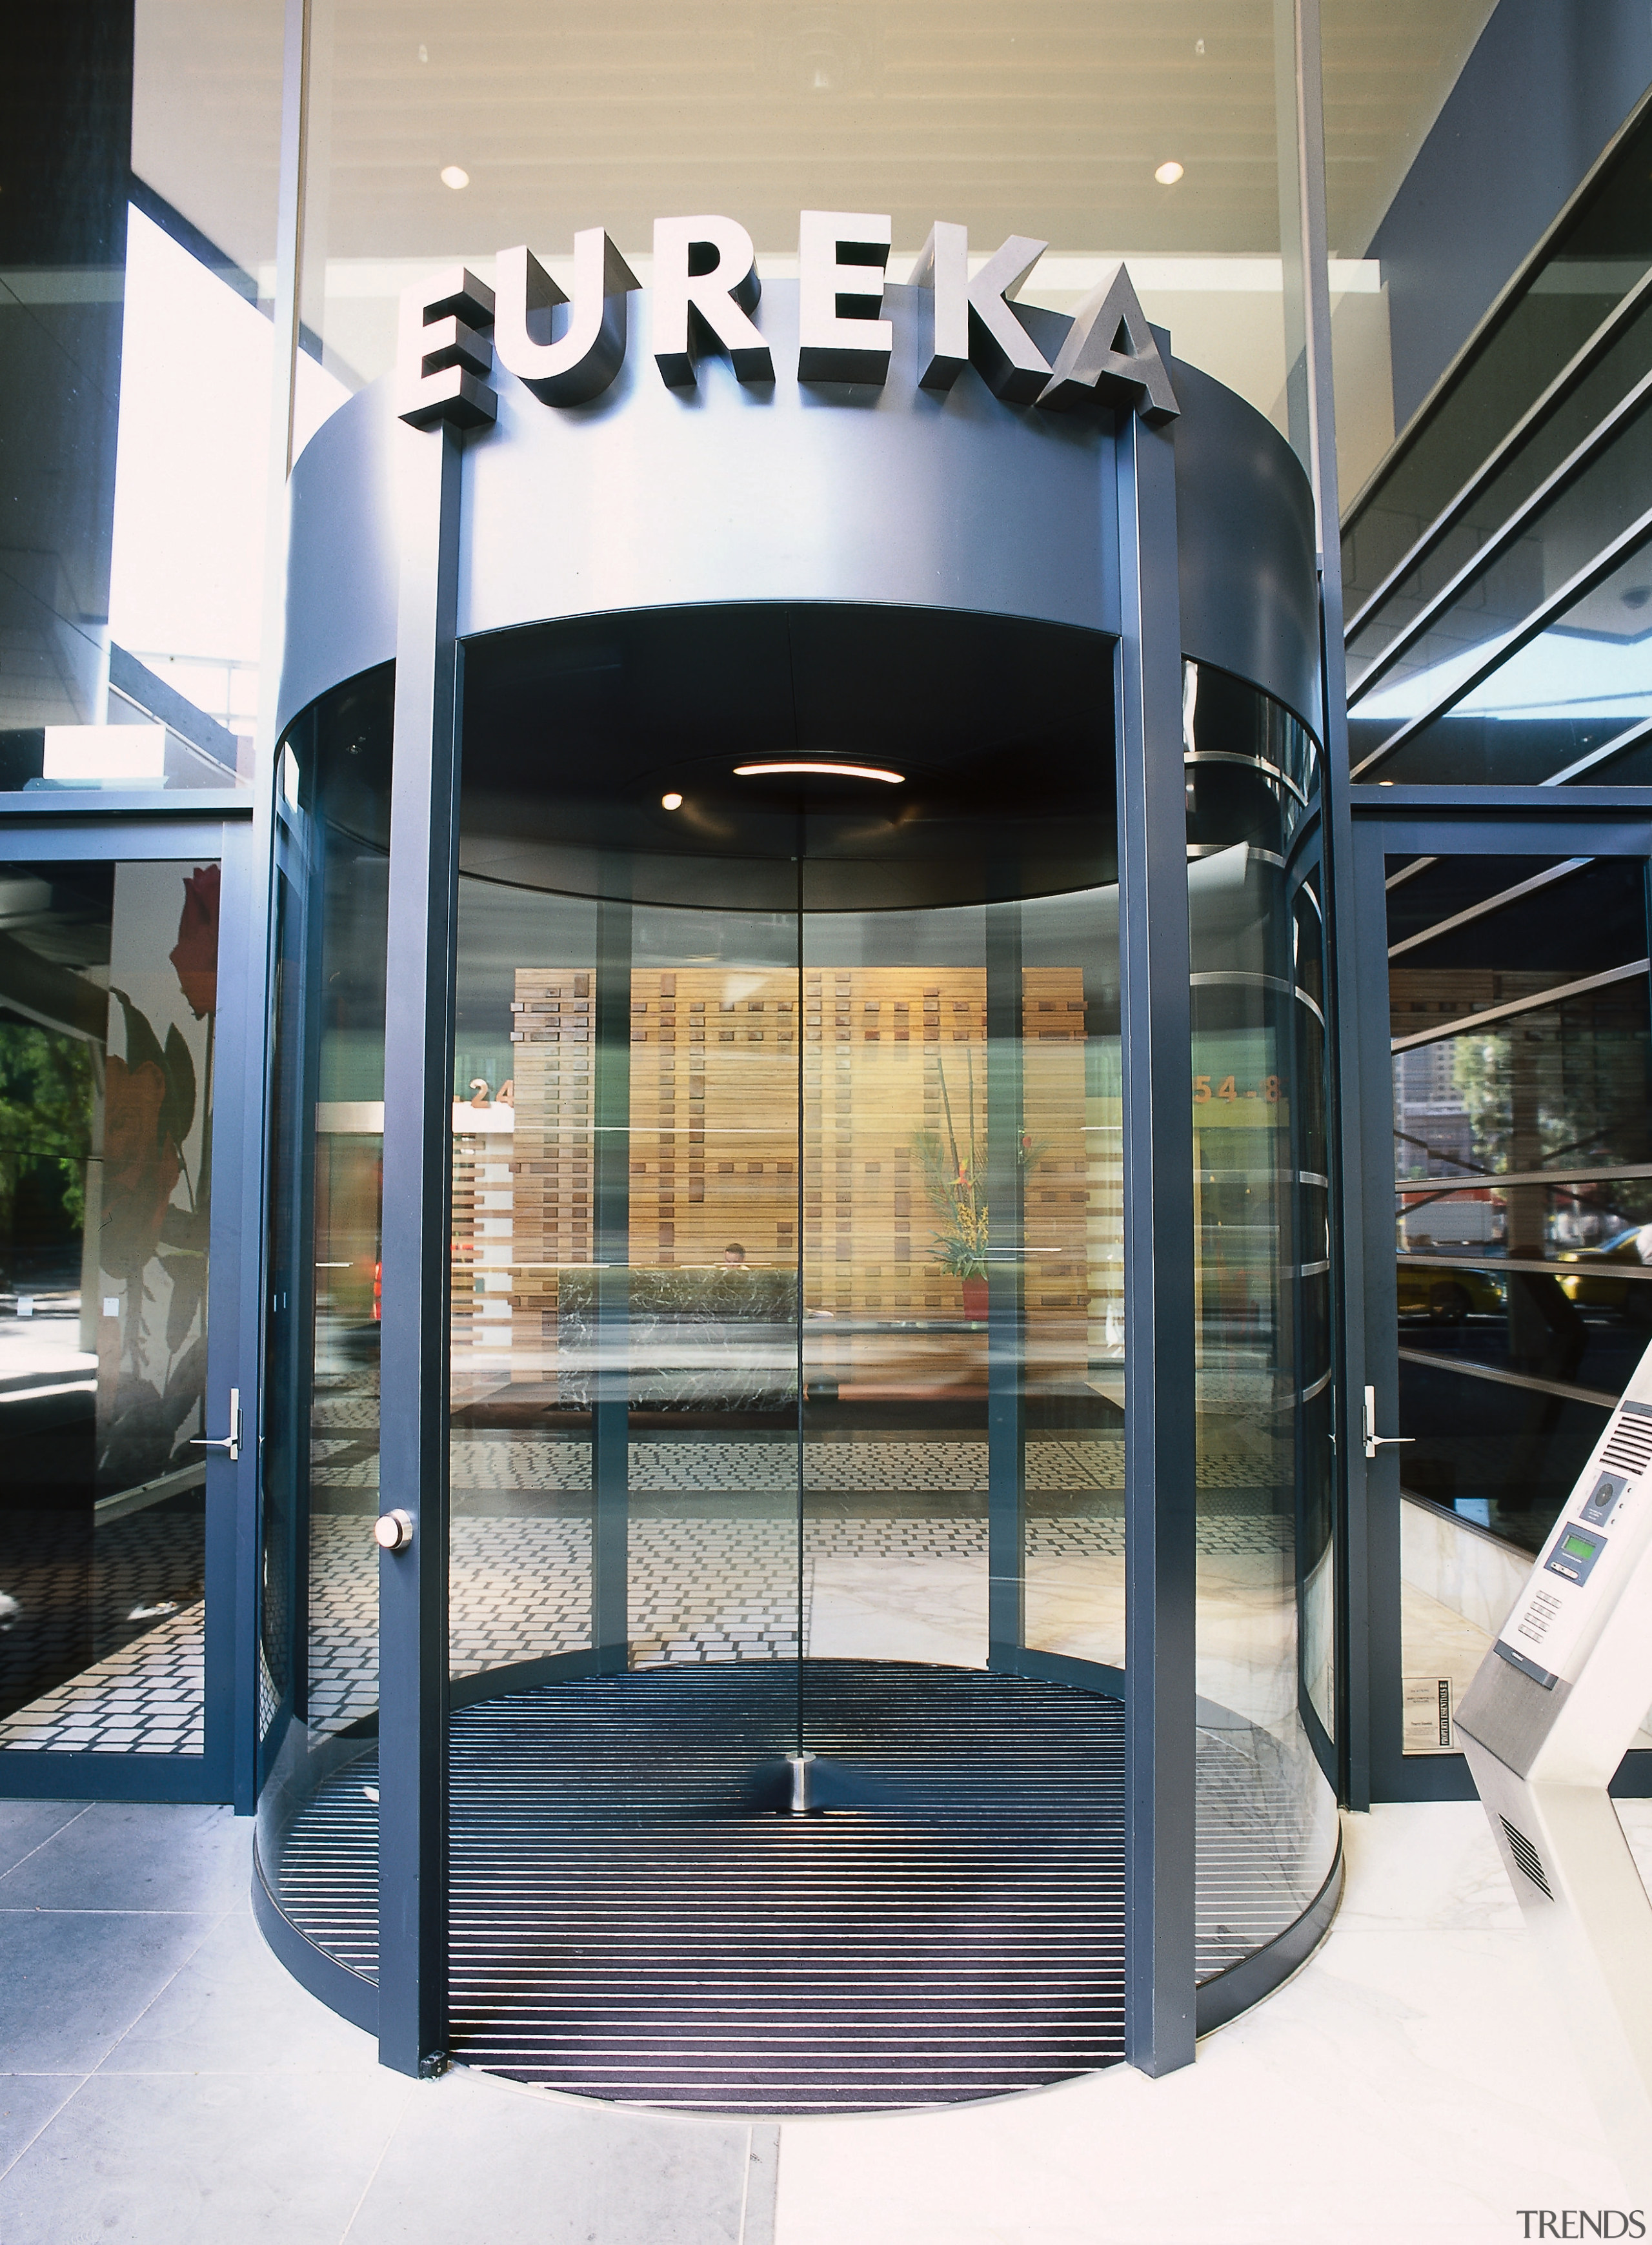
(804, 1592)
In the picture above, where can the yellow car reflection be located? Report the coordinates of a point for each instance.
(1446, 1298)
(1602, 1287)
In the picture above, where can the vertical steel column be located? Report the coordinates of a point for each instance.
(1006, 1293)
(258, 984)
(611, 1253)
(1306, 242)
(418, 1064)
(1159, 1407)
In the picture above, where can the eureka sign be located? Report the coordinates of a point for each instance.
(705, 291)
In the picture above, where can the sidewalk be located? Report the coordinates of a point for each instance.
(167, 2081)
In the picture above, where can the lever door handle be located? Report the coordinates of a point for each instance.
(229, 1443)
(1374, 1442)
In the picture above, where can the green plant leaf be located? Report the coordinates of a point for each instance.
(188, 1274)
(177, 1109)
(142, 1043)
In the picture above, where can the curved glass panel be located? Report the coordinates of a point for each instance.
(1266, 1568)
(318, 1625)
(776, 1202)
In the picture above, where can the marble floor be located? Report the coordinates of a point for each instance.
(164, 2082)
(1440, 1644)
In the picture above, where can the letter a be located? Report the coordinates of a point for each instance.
(1110, 355)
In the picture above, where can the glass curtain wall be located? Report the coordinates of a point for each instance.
(139, 221)
(1105, 131)
(1496, 565)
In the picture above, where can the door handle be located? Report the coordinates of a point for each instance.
(229, 1443)
(1374, 1442)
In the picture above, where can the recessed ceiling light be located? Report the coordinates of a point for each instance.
(673, 802)
(1167, 174)
(455, 176)
(814, 764)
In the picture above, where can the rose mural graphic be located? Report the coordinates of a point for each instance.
(150, 1103)
(194, 956)
(141, 1164)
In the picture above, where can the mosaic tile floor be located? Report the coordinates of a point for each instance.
(844, 1463)
(145, 1698)
(703, 1587)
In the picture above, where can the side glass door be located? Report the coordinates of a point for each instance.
(115, 1521)
(1520, 1062)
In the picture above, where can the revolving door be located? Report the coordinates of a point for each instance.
(799, 1561)
(786, 1570)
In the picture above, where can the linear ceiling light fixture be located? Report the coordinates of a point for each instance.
(814, 764)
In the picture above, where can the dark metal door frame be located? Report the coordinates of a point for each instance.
(1425, 821)
(215, 826)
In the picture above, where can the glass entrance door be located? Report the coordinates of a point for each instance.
(786, 1279)
(116, 1519)
(1521, 1294)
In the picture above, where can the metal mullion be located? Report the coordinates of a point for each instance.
(1554, 486)
(1303, 222)
(1161, 1589)
(1442, 1185)
(1583, 363)
(1006, 1290)
(610, 1258)
(1491, 904)
(419, 1048)
(258, 983)
(1477, 805)
(110, 841)
(1470, 1370)
(1631, 735)
(93, 812)
(1554, 996)
(1595, 573)
(1576, 1268)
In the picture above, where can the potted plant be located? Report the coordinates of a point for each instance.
(955, 1179)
